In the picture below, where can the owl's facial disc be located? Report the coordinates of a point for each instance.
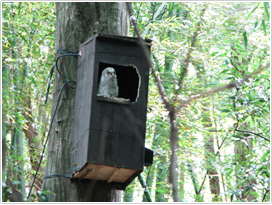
(111, 74)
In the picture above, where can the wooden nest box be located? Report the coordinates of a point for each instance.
(109, 132)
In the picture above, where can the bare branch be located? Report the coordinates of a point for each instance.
(266, 191)
(169, 107)
(144, 48)
(225, 87)
(208, 171)
(253, 134)
(188, 57)
(242, 131)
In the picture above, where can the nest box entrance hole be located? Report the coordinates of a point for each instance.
(128, 80)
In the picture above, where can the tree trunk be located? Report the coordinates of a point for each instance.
(174, 138)
(162, 167)
(208, 140)
(182, 181)
(242, 154)
(192, 173)
(75, 23)
(34, 140)
(210, 156)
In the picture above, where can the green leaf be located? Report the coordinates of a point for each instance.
(159, 10)
(224, 71)
(23, 37)
(240, 58)
(266, 10)
(245, 39)
(160, 191)
(44, 198)
(15, 182)
(229, 172)
(213, 54)
(252, 11)
(223, 55)
(237, 136)
(257, 24)
(265, 156)
(225, 110)
(264, 27)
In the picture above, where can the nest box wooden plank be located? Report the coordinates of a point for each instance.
(109, 132)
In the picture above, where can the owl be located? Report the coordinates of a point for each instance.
(108, 83)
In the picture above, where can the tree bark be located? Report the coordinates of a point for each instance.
(242, 155)
(34, 141)
(162, 168)
(210, 156)
(181, 182)
(174, 139)
(75, 23)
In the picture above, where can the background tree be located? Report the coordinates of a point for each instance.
(26, 55)
(197, 47)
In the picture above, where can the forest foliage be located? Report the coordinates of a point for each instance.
(223, 146)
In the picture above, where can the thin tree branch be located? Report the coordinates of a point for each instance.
(146, 190)
(253, 133)
(169, 107)
(225, 87)
(188, 57)
(194, 179)
(242, 131)
(146, 54)
(266, 191)
(208, 171)
(219, 148)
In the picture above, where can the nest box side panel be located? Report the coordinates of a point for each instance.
(112, 150)
(83, 103)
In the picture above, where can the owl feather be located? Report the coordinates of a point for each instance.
(108, 83)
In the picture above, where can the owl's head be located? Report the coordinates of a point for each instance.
(109, 72)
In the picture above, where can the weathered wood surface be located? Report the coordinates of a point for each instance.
(110, 133)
